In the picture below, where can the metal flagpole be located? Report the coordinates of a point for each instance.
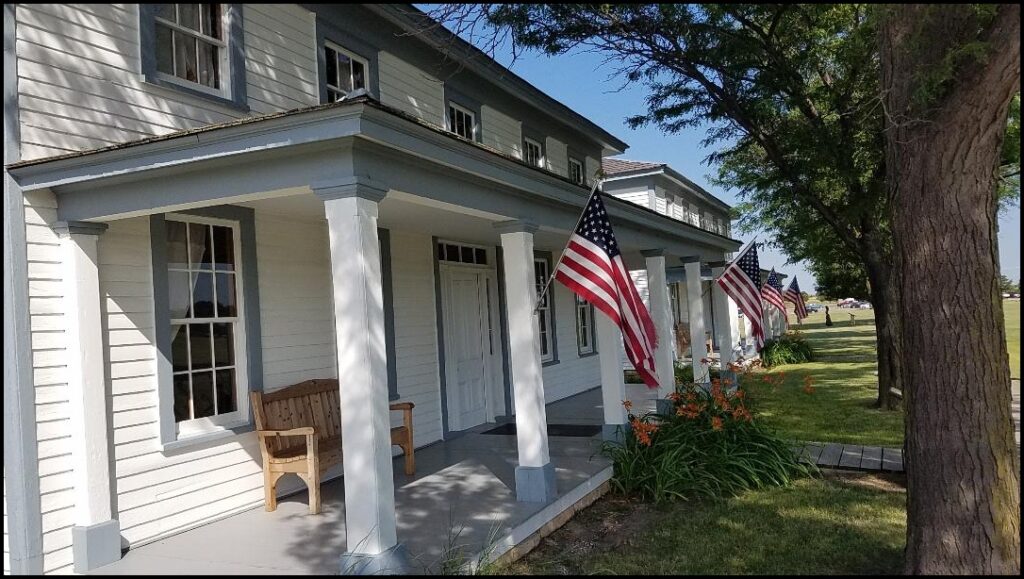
(544, 291)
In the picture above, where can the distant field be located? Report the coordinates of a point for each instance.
(1011, 309)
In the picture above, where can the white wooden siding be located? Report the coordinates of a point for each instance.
(49, 372)
(502, 132)
(591, 166)
(660, 201)
(572, 374)
(557, 154)
(639, 195)
(410, 89)
(80, 83)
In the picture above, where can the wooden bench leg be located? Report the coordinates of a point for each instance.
(313, 482)
(410, 459)
(270, 489)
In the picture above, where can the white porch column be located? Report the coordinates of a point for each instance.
(695, 302)
(535, 475)
(724, 319)
(613, 388)
(661, 313)
(351, 209)
(96, 536)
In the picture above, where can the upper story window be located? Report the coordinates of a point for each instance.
(195, 49)
(461, 121)
(533, 152)
(576, 171)
(190, 43)
(346, 71)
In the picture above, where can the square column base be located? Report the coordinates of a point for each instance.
(614, 432)
(394, 561)
(96, 545)
(664, 406)
(536, 484)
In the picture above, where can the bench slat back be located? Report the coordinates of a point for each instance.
(311, 403)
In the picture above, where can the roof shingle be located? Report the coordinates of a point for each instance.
(616, 166)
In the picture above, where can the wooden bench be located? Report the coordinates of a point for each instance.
(299, 430)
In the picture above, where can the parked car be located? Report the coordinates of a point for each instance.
(863, 305)
(814, 308)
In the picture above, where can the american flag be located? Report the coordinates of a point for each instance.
(771, 291)
(792, 294)
(592, 267)
(741, 280)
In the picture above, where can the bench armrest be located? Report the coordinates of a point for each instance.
(402, 406)
(301, 431)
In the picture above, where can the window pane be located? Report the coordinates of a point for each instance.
(181, 398)
(177, 294)
(344, 73)
(164, 50)
(185, 56)
(358, 75)
(223, 345)
(202, 394)
(481, 256)
(200, 246)
(440, 252)
(179, 348)
(202, 295)
(467, 254)
(166, 11)
(199, 338)
(226, 391)
(177, 245)
(211, 20)
(453, 252)
(188, 16)
(331, 59)
(226, 295)
(224, 248)
(209, 69)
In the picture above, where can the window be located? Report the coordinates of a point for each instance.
(576, 171)
(694, 216)
(190, 43)
(542, 271)
(532, 152)
(207, 341)
(346, 71)
(584, 326)
(465, 254)
(461, 121)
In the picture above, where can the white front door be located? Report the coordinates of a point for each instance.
(467, 351)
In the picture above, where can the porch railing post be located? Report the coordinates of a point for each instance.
(370, 522)
(96, 536)
(535, 475)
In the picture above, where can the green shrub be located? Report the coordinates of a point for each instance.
(791, 348)
(631, 377)
(710, 446)
(684, 374)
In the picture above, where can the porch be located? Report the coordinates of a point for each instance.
(462, 498)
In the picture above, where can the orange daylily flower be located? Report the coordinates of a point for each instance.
(716, 423)
(627, 405)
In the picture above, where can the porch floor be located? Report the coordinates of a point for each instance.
(466, 483)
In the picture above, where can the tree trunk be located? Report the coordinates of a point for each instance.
(885, 300)
(963, 494)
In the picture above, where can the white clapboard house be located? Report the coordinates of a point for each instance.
(205, 200)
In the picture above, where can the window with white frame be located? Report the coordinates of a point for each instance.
(206, 322)
(461, 121)
(190, 44)
(542, 271)
(533, 153)
(576, 171)
(694, 215)
(584, 326)
(346, 71)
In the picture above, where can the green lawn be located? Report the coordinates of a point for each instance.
(845, 387)
(854, 524)
(1011, 309)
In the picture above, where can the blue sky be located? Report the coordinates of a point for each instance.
(581, 82)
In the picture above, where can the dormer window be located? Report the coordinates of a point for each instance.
(346, 71)
(461, 121)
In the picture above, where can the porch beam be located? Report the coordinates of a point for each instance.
(661, 312)
(613, 387)
(695, 303)
(96, 536)
(535, 475)
(370, 522)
